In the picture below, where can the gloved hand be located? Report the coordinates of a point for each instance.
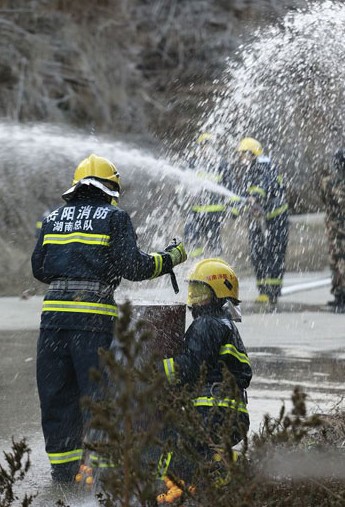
(254, 208)
(177, 252)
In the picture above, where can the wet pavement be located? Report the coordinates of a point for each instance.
(298, 343)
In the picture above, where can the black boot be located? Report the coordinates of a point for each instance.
(339, 304)
(64, 473)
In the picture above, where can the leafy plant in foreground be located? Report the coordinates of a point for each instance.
(18, 464)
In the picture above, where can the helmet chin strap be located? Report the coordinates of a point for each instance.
(90, 182)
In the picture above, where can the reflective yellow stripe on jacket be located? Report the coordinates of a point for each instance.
(228, 348)
(233, 201)
(158, 264)
(169, 368)
(256, 190)
(269, 281)
(76, 237)
(210, 401)
(59, 458)
(77, 306)
(276, 212)
(209, 208)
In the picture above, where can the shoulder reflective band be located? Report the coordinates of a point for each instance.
(163, 465)
(228, 348)
(256, 190)
(209, 208)
(79, 307)
(205, 401)
(169, 368)
(269, 281)
(38, 225)
(76, 237)
(59, 458)
(158, 259)
(276, 212)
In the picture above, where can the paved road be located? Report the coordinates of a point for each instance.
(298, 343)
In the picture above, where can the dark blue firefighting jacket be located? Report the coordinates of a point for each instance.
(212, 339)
(261, 181)
(84, 249)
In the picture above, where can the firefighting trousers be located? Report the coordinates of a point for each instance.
(187, 450)
(267, 251)
(64, 359)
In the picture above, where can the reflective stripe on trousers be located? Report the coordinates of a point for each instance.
(60, 458)
(98, 462)
(163, 465)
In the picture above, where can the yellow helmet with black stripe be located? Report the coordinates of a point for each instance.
(212, 277)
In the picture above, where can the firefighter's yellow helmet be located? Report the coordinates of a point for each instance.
(97, 167)
(204, 138)
(212, 277)
(250, 144)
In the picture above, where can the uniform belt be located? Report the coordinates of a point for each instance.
(81, 285)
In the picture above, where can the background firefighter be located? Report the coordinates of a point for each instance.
(84, 249)
(333, 196)
(202, 232)
(261, 194)
(212, 340)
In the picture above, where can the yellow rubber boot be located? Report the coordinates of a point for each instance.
(262, 299)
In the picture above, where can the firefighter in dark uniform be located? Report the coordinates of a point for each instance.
(333, 197)
(213, 340)
(202, 231)
(84, 249)
(261, 194)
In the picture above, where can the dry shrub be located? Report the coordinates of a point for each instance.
(135, 420)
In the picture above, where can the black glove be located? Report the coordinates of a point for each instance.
(255, 209)
(177, 252)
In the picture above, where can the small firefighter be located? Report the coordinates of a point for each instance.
(261, 194)
(333, 196)
(212, 340)
(202, 231)
(84, 249)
